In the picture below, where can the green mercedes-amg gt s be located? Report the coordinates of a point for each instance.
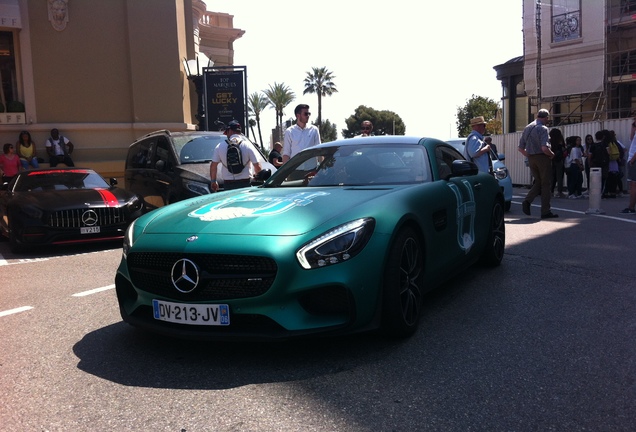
(345, 237)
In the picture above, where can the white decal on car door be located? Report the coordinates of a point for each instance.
(465, 215)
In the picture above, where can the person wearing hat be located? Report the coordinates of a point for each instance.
(534, 144)
(476, 149)
(219, 156)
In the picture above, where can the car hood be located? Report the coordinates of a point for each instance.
(196, 171)
(59, 200)
(262, 211)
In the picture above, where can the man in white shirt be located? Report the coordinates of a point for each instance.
(301, 135)
(248, 155)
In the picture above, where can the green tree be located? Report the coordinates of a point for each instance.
(478, 106)
(279, 96)
(256, 104)
(328, 131)
(319, 81)
(384, 122)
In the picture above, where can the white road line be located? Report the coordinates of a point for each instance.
(94, 291)
(15, 311)
(629, 219)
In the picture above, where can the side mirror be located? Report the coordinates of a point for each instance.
(461, 168)
(160, 165)
(113, 181)
(263, 175)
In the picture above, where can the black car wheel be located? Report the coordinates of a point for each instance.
(494, 252)
(403, 285)
(14, 244)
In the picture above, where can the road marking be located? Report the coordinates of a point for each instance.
(94, 291)
(15, 311)
(629, 219)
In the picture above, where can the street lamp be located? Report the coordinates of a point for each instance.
(194, 71)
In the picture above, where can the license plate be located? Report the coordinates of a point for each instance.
(192, 314)
(89, 230)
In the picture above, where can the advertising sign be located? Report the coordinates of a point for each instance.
(225, 96)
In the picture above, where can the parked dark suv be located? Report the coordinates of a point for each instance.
(165, 167)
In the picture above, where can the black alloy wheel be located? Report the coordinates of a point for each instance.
(403, 285)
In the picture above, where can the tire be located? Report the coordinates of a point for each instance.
(494, 252)
(403, 285)
(14, 244)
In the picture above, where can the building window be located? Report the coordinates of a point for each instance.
(566, 20)
(9, 89)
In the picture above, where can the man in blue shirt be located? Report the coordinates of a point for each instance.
(477, 150)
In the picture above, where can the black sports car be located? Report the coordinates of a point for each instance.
(65, 205)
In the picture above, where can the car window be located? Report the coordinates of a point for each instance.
(196, 149)
(354, 166)
(445, 156)
(162, 155)
(59, 180)
(139, 154)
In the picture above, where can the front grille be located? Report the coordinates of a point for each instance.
(73, 218)
(222, 277)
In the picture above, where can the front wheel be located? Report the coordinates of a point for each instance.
(494, 252)
(14, 242)
(403, 285)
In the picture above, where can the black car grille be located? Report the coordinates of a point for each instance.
(76, 218)
(221, 276)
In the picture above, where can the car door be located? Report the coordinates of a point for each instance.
(139, 172)
(454, 213)
(166, 182)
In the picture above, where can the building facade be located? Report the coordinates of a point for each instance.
(579, 62)
(104, 72)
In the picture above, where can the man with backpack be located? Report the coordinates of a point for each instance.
(235, 156)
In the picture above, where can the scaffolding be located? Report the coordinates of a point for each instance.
(620, 60)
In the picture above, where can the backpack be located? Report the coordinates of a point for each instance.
(234, 157)
(614, 152)
(599, 154)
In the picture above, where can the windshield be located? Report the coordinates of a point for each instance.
(354, 165)
(59, 180)
(196, 149)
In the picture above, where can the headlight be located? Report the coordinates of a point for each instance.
(134, 204)
(336, 245)
(129, 239)
(197, 187)
(501, 173)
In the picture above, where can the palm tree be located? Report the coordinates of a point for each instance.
(319, 81)
(279, 96)
(256, 103)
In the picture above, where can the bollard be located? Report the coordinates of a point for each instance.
(594, 192)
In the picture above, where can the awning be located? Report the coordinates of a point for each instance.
(10, 14)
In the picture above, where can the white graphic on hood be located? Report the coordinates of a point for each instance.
(253, 204)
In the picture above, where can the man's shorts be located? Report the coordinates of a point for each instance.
(631, 172)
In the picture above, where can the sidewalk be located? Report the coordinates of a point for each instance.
(608, 206)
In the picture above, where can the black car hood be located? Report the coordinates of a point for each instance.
(72, 198)
(196, 171)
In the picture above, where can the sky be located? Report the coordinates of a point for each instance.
(419, 59)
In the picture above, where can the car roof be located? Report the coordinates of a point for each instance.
(380, 139)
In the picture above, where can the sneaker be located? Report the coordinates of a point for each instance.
(627, 211)
(549, 215)
(572, 196)
(555, 194)
(525, 206)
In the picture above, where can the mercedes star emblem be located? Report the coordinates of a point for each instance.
(89, 217)
(185, 275)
